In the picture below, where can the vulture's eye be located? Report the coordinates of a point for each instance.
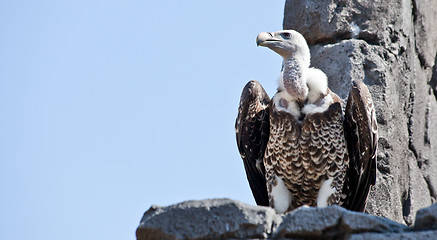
(286, 35)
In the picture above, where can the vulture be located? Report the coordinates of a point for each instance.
(299, 148)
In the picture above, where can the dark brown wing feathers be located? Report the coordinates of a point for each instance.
(252, 130)
(361, 135)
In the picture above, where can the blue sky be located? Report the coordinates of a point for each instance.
(108, 107)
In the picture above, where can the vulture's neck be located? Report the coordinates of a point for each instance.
(294, 78)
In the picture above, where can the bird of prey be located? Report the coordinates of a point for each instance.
(299, 148)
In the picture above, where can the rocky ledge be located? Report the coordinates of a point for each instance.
(225, 218)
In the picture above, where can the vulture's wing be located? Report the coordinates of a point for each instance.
(361, 136)
(252, 129)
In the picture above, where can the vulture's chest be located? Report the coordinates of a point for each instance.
(306, 153)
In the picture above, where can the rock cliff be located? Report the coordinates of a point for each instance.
(225, 218)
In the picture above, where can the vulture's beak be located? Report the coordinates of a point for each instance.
(265, 39)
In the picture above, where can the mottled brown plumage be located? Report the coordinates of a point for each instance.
(306, 153)
(298, 148)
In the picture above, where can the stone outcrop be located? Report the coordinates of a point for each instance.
(215, 218)
(391, 46)
(224, 219)
(426, 219)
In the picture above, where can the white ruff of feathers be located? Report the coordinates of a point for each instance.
(299, 82)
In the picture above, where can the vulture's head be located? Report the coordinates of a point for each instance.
(287, 43)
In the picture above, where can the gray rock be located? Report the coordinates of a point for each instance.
(332, 222)
(418, 194)
(426, 219)
(425, 235)
(309, 222)
(224, 218)
(353, 60)
(354, 222)
(424, 19)
(214, 218)
(377, 22)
